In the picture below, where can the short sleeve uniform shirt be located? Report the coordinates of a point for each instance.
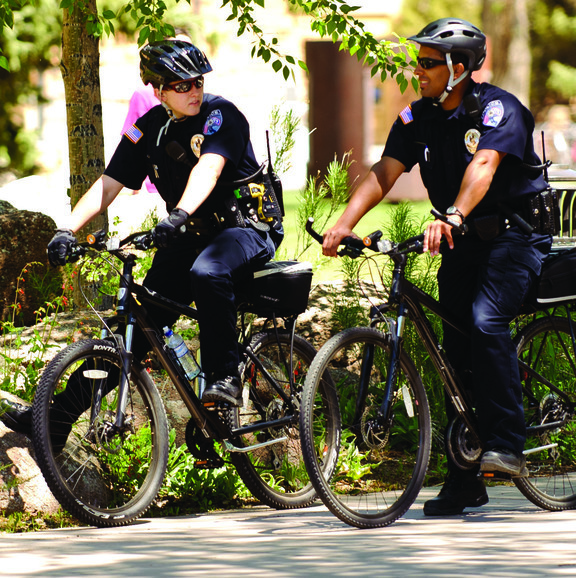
(443, 143)
(218, 128)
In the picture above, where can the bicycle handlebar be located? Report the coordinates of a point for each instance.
(142, 240)
(354, 247)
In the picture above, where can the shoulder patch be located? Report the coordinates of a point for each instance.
(493, 113)
(213, 122)
(134, 134)
(406, 115)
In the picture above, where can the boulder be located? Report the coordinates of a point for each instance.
(22, 486)
(24, 236)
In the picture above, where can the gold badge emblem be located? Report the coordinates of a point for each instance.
(196, 144)
(471, 140)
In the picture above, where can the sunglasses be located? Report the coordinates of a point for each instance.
(185, 85)
(428, 63)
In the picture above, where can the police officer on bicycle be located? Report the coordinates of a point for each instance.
(474, 147)
(195, 147)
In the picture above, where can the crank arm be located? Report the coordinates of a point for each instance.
(231, 448)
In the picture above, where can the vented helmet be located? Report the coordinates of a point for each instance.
(170, 61)
(455, 36)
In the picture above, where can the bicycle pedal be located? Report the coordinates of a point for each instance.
(495, 476)
(216, 405)
(209, 463)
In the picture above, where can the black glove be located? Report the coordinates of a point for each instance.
(60, 245)
(169, 228)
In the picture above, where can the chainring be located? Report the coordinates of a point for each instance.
(463, 448)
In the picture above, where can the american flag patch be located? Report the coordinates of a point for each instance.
(134, 134)
(406, 115)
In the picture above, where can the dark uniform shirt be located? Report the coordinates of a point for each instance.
(218, 128)
(443, 143)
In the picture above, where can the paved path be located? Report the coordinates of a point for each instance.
(509, 537)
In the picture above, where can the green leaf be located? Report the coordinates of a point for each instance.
(143, 35)
(277, 65)
(108, 14)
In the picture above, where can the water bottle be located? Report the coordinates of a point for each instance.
(183, 354)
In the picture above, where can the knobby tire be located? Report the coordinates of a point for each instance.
(380, 466)
(103, 478)
(546, 346)
(275, 474)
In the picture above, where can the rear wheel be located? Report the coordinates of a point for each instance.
(275, 474)
(546, 347)
(101, 475)
(381, 461)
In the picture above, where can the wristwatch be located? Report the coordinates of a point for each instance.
(454, 211)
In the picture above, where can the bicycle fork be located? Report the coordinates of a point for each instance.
(396, 332)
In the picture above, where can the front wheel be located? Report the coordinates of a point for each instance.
(547, 349)
(104, 476)
(275, 474)
(367, 467)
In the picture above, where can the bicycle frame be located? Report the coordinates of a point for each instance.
(130, 311)
(410, 301)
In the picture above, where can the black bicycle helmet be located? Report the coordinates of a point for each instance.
(455, 36)
(170, 61)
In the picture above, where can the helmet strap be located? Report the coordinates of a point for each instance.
(451, 81)
(170, 112)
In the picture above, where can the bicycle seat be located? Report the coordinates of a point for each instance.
(280, 287)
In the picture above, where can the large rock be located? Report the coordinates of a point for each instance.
(23, 239)
(22, 486)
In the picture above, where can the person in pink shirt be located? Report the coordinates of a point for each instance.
(141, 101)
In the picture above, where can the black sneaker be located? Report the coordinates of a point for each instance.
(226, 390)
(504, 460)
(16, 416)
(457, 493)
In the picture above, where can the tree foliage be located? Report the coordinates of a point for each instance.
(331, 19)
(553, 38)
(26, 50)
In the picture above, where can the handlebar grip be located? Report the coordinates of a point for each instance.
(309, 229)
(353, 242)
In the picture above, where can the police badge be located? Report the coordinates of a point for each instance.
(196, 144)
(471, 140)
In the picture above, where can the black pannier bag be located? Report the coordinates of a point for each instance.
(557, 283)
(280, 287)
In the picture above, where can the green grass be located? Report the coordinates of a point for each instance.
(327, 268)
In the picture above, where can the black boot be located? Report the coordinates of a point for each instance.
(226, 390)
(457, 493)
(16, 416)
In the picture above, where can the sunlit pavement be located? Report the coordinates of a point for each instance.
(507, 537)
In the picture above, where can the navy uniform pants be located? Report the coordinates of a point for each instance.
(485, 283)
(207, 277)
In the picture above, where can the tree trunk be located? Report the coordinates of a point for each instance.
(506, 24)
(80, 68)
